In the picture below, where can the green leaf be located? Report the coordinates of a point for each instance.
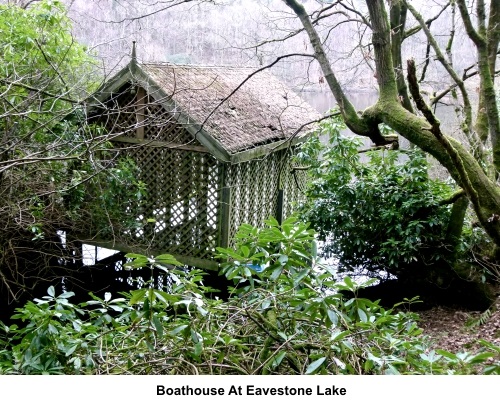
(276, 273)
(348, 282)
(67, 294)
(315, 365)
(265, 304)
(52, 329)
(71, 350)
(245, 251)
(165, 297)
(198, 349)
(480, 358)
(300, 277)
(362, 315)
(178, 330)
(276, 361)
(137, 264)
(194, 336)
(137, 296)
(167, 259)
(332, 315)
(158, 326)
(78, 363)
(337, 335)
(447, 354)
(203, 312)
(51, 291)
(282, 335)
(136, 256)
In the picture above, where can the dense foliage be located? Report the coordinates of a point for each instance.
(56, 172)
(382, 212)
(285, 316)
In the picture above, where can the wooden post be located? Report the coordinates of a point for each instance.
(225, 209)
(281, 194)
(140, 117)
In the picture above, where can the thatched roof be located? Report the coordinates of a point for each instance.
(213, 101)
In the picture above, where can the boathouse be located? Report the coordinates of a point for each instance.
(214, 147)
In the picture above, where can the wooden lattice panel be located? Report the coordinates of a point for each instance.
(160, 125)
(294, 184)
(119, 115)
(254, 191)
(180, 213)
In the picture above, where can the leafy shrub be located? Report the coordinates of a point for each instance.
(379, 214)
(57, 173)
(285, 316)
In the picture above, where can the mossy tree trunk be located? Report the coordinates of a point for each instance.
(425, 133)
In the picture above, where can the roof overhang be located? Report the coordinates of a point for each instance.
(132, 73)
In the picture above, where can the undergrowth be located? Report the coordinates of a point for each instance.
(286, 315)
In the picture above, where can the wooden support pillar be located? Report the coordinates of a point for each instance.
(140, 108)
(225, 207)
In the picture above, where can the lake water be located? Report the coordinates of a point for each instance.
(324, 101)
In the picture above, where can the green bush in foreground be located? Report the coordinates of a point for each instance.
(378, 211)
(285, 316)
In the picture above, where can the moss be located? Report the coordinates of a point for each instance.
(456, 222)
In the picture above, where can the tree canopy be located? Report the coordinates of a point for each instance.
(51, 161)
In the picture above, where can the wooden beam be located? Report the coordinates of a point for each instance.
(225, 208)
(279, 206)
(139, 111)
(160, 144)
(266, 149)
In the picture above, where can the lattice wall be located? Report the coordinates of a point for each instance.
(254, 189)
(119, 115)
(180, 213)
(159, 125)
(294, 184)
(183, 199)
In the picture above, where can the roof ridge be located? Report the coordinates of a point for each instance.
(185, 65)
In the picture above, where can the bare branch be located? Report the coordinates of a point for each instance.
(428, 22)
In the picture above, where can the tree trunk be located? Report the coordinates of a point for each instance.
(462, 166)
(398, 21)
(456, 224)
